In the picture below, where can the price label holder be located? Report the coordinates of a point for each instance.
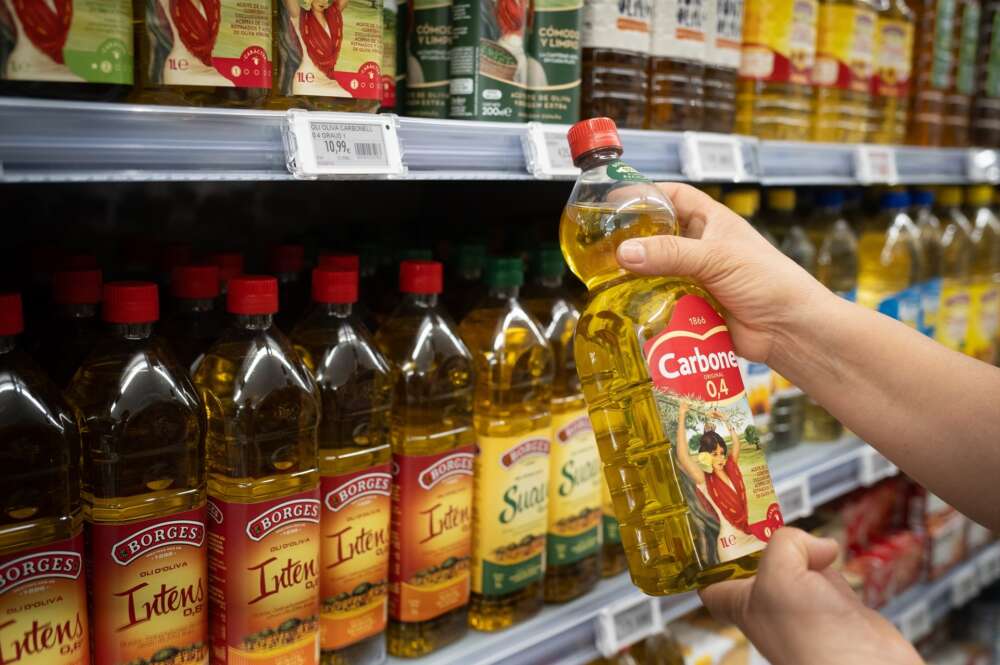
(794, 499)
(347, 145)
(915, 623)
(964, 586)
(714, 157)
(626, 622)
(546, 151)
(988, 565)
(875, 165)
(875, 467)
(982, 165)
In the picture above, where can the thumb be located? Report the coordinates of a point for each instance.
(793, 550)
(728, 601)
(668, 255)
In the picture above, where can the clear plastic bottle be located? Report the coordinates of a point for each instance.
(355, 386)
(746, 204)
(352, 263)
(288, 264)
(986, 103)
(573, 541)
(984, 292)
(42, 520)
(512, 412)
(73, 327)
(143, 487)
(958, 100)
(433, 438)
(933, 69)
(263, 411)
(956, 269)
(196, 320)
(929, 234)
(466, 284)
(723, 41)
(677, 65)
(892, 70)
(642, 343)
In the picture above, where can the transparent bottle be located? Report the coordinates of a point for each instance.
(432, 438)
(352, 263)
(355, 386)
(143, 487)
(958, 100)
(746, 204)
(933, 69)
(984, 292)
(889, 261)
(466, 284)
(42, 520)
(774, 94)
(677, 66)
(929, 235)
(573, 541)
(636, 356)
(986, 103)
(263, 411)
(892, 70)
(723, 41)
(196, 321)
(73, 327)
(288, 264)
(956, 269)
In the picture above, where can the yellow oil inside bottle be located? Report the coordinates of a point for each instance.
(956, 270)
(894, 34)
(889, 261)
(984, 315)
(613, 561)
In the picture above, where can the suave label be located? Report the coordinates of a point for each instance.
(431, 534)
(574, 490)
(354, 584)
(43, 605)
(150, 589)
(893, 46)
(703, 408)
(427, 43)
(511, 511)
(554, 61)
(953, 316)
(779, 41)
(845, 47)
(264, 565)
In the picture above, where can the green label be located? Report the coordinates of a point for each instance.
(570, 549)
(574, 489)
(619, 170)
(993, 60)
(966, 81)
(611, 532)
(944, 29)
(402, 30)
(554, 62)
(428, 41)
(500, 579)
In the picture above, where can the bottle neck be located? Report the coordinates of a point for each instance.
(339, 310)
(132, 331)
(600, 157)
(254, 321)
(195, 305)
(7, 343)
(76, 311)
(550, 281)
(425, 300)
(504, 292)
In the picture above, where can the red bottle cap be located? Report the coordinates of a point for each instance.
(177, 254)
(76, 287)
(195, 282)
(252, 294)
(131, 302)
(592, 134)
(336, 261)
(335, 287)
(423, 277)
(230, 265)
(287, 259)
(11, 318)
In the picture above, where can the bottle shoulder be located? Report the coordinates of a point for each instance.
(339, 348)
(32, 399)
(409, 338)
(498, 325)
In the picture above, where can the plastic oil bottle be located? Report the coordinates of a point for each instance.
(616, 38)
(677, 66)
(889, 261)
(664, 455)
(143, 488)
(774, 96)
(573, 541)
(958, 100)
(956, 269)
(42, 520)
(986, 103)
(196, 320)
(892, 70)
(933, 69)
(288, 263)
(723, 40)
(263, 411)
(355, 384)
(514, 371)
(466, 285)
(73, 327)
(352, 263)
(929, 234)
(984, 305)
(433, 447)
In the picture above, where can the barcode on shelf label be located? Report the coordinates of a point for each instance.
(342, 144)
(546, 151)
(988, 565)
(794, 499)
(915, 623)
(706, 156)
(874, 164)
(625, 623)
(875, 467)
(964, 586)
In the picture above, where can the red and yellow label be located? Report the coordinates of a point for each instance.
(264, 565)
(43, 606)
(431, 534)
(779, 40)
(893, 46)
(984, 320)
(150, 590)
(845, 47)
(355, 556)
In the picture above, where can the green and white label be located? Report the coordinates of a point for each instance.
(574, 490)
(427, 45)
(965, 82)
(943, 36)
(554, 62)
(619, 170)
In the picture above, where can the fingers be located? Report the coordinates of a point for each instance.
(794, 551)
(728, 601)
(696, 210)
(666, 255)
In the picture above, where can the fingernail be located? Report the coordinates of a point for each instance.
(632, 251)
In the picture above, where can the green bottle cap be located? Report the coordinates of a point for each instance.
(548, 262)
(470, 257)
(414, 254)
(504, 272)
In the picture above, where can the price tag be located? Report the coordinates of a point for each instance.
(916, 623)
(546, 151)
(627, 622)
(964, 586)
(875, 164)
(982, 165)
(706, 156)
(794, 499)
(342, 144)
(875, 467)
(988, 565)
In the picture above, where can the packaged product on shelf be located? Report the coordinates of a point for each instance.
(889, 261)
(933, 69)
(705, 642)
(514, 368)
(288, 264)
(43, 544)
(219, 53)
(433, 446)
(355, 384)
(328, 55)
(612, 551)
(944, 528)
(661, 648)
(774, 99)
(428, 40)
(79, 50)
(984, 292)
(723, 42)
(890, 89)
(143, 485)
(977, 535)
(195, 320)
(72, 327)
(390, 34)
(986, 103)
(929, 237)
(841, 77)
(616, 40)
(958, 100)
(264, 499)
(488, 68)
(573, 541)
(554, 60)
(677, 65)
(956, 270)
(694, 416)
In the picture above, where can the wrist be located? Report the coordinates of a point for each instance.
(806, 343)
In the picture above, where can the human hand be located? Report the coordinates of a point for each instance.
(798, 610)
(766, 296)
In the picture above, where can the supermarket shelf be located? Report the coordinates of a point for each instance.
(567, 634)
(52, 141)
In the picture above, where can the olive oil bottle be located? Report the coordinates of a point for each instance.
(956, 269)
(263, 411)
(143, 487)
(984, 313)
(889, 261)
(573, 541)
(514, 369)
(929, 236)
(73, 327)
(355, 385)
(196, 320)
(433, 446)
(466, 284)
